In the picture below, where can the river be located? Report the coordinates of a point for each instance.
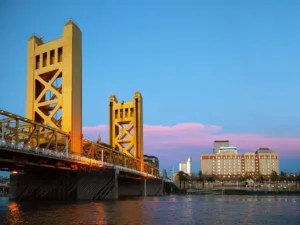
(207, 209)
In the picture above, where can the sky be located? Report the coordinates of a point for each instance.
(207, 70)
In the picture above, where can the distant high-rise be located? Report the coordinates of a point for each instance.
(186, 166)
(189, 166)
(183, 166)
(219, 144)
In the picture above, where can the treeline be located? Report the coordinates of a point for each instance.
(283, 176)
(4, 179)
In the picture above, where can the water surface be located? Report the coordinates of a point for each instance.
(173, 210)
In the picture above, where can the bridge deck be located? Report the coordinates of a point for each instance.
(20, 137)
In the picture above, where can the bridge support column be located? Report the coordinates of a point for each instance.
(64, 185)
(43, 185)
(128, 187)
(97, 185)
(145, 187)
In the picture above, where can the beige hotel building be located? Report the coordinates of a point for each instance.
(227, 162)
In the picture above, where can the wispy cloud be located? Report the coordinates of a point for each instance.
(158, 138)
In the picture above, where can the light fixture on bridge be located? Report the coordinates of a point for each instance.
(12, 144)
(14, 172)
(3, 143)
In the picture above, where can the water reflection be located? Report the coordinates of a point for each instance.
(14, 216)
(159, 210)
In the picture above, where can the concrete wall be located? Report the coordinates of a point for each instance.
(54, 185)
(136, 187)
(62, 185)
(80, 185)
(97, 185)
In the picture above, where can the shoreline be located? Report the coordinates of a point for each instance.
(243, 191)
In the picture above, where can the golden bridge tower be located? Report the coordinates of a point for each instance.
(126, 126)
(54, 83)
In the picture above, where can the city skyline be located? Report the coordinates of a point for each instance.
(206, 71)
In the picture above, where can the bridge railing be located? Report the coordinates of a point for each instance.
(105, 153)
(20, 133)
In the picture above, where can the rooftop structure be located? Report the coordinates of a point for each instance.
(218, 144)
(224, 150)
(263, 150)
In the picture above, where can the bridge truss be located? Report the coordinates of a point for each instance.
(21, 134)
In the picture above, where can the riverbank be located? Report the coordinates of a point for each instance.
(243, 191)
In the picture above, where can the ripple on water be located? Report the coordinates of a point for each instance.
(157, 210)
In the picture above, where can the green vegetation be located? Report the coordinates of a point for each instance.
(4, 179)
(171, 188)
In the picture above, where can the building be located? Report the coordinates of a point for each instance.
(267, 161)
(228, 163)
(186, 166)
(151, 160)
(219, 144)
(228, 149)
(183, 166)
(189, 166)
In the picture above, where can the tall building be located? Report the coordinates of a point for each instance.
(186, 166)
(189, 166)
(267, 161)
(229, 163)
(219, 144)
(183, 166)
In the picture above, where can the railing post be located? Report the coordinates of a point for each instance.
(55, 140)
(17, 133)
(37, 129)
(67, 146)
(2, 133)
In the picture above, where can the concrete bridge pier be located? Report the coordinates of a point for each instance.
(131, 187)
(97, 185)
(64, 185)
(46, 184)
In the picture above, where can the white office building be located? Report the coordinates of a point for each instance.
(186, 166)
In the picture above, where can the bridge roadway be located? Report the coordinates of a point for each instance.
(43, 167)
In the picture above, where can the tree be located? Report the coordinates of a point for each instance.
(274, 176)
(181, 177)
(283, 176)
(200, 173)
(200, 176)
(262, 178)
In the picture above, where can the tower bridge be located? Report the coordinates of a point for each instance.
(46, 152)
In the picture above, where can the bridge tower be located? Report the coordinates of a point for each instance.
(54, 83)
(126, 126)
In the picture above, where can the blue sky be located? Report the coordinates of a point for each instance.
(233, 65)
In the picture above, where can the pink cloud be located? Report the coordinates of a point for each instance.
(179, 129)
(195, 135)
(95, 129)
